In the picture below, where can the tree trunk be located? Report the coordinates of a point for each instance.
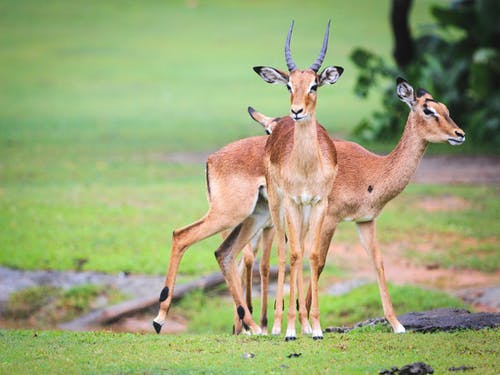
(403, 43)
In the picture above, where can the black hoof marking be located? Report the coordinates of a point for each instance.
(317, 337)
(290, 338)
(247, 328)
(164, 294)
(297, 304)
(241, 312)
(157, 327)
(234, 330)
(250, 308)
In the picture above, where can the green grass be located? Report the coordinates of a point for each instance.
(211, 313)
(459, 236)
(96, 94)
(127, 226)
(354, 353)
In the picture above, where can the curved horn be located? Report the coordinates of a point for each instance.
(288, 56)
(317, 64)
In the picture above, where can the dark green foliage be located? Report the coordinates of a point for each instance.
(24, 303)
(46, 306)
(458, 62)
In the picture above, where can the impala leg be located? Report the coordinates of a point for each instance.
(249, 252)
(267, 241)
(278, 222)
(245, 269)
(226, 254)
(301, 307)
(293, 220)
(182, 239)
(327, 232)
(279, 302)
(243, 272)
(300, 304)
(367, 235)
(315, 230)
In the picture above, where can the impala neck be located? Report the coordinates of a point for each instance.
(305, 146)
(403, 161)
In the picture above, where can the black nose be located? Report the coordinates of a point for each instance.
(296, 112)
(460, 133)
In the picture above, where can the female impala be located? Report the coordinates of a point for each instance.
(300, 166)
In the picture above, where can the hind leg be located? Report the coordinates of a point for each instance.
(226, 254)
(182, 239)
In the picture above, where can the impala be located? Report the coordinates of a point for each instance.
(249, 207)
(300, 165)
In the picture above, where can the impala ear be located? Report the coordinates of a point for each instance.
(271, 75)
(330, 75)
(406, 92)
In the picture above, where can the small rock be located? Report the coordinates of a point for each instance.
(392, 371)
(248, 355)
(337, 329)
(417, 368)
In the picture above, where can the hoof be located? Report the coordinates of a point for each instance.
(276, 331)
(157, 326)
(399, 329)
(290, 338)
(317, 337)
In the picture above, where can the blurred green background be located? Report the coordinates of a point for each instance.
(96, 95)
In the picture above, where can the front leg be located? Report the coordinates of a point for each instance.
(294, 226)
(267, 242)
(327, 232)
(367, 235)
(278, 223)
(315, 256)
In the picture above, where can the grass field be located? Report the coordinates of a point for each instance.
(353, 353)
(96, 94)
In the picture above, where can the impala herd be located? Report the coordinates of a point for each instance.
(295, 185)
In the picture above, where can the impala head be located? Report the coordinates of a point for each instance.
(432, 118)
(302, 84)
(268, 123)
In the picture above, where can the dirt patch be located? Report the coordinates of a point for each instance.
(400, 270)
(448, 169)
(445, 203)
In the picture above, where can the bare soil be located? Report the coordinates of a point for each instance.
(467, 284)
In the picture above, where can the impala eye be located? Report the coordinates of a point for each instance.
(429, 112)
(313, 88)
